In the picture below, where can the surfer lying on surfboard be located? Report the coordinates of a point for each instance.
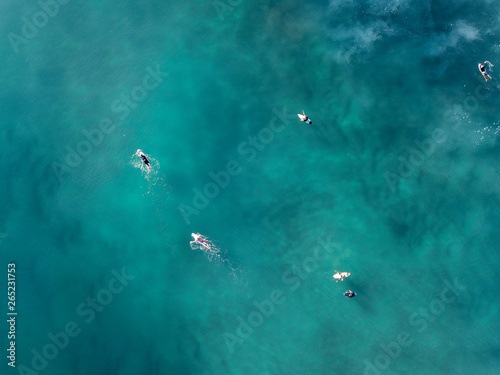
(201, 241)
(304, 118)
(482, 69)
(340, 276)
(144, 158)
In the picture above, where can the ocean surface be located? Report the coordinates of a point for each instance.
(396, 181)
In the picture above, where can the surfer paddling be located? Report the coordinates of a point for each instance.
(201, 241)
(144, 158)
(482, 69)
(340, 276)
(304, 118)
(350, 294)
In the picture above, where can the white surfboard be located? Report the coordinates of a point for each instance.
(341, 275)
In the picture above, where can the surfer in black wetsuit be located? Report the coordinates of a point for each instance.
(349, 294)
(145, 160)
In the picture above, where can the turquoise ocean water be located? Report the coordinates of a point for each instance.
(396, 181)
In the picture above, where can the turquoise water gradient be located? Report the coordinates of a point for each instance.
(376, 78)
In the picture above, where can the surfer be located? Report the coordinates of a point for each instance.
(482, 69)
(144, 158)
(201, 241)
(304, 118)
(340, 276)
(349, 294)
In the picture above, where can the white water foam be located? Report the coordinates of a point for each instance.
(214, 253)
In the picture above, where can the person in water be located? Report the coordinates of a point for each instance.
(201, 241)
(306, 119)
(482, 69)
(340, 276)
(145, 160)
(349, 294)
